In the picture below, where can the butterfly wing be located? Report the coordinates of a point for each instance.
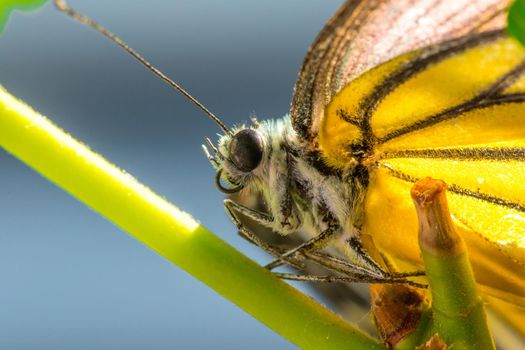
(453, 111)
(364, 34)
(479, 153)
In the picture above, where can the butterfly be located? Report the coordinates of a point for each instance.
(390, 92)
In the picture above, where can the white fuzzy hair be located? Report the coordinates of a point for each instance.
(279, 174)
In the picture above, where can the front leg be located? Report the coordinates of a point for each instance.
(312, 244)
(261, 218)
(278, 196)
(256, 215)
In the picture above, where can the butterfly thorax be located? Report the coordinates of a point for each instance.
(300, 191)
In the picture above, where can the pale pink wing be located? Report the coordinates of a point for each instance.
(363, 34)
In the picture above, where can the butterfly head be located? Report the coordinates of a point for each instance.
(237, 157)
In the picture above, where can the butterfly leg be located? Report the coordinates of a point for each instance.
(311, 244)
(390, 267)
(364, 259)
(340, 265)
(375, 269)
(346, 279)
(348, 272)
(266, 220)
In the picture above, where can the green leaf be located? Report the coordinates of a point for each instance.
(516, 21)
(6, 6)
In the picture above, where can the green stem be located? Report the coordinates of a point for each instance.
(170, 232)
(458, 313)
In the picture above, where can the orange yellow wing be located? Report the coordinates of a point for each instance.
(453, 111)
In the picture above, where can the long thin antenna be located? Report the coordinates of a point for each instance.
(62, 6)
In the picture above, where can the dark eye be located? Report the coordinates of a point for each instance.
(246, 150)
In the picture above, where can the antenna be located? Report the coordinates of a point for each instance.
(62, 6)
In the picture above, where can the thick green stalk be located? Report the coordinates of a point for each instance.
(171, 233)
(457, 308)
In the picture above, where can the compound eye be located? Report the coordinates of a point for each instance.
(246, 150)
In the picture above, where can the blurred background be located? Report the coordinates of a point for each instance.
(72, 280)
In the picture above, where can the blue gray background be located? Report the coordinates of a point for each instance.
(69, 278)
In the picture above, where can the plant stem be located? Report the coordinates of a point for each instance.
(458, 313)
(170, 232)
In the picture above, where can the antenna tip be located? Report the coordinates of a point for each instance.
(61, 5)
